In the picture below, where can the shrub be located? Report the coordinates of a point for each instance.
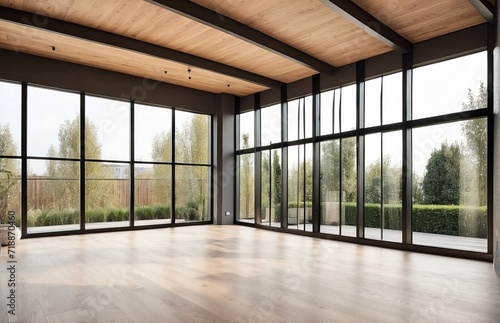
(439, 219)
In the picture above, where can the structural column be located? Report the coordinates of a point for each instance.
(223, 160)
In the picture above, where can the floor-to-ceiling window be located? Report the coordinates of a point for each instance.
(450, 156)
(428, 122)
(97, 163)
(246, 168)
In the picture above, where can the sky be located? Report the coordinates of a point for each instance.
(437, 89)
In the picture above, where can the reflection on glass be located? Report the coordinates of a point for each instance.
(392, 173)
(349, 187)
(443, 87)
(10, 119)
(373, 92)
(53, 195)
(348, 108)
(271, 188)
(270, 124)
(153, 187)
(246, 188)
(300, 118)
(10, 189)
(392, 98)
(192, 193)
(53, 123)
(107, 129)
(300, 187)
(383, 171)
(153, 133)
(330, 112)
(330, 187)
(247, 129)
(373, 186)
(192, 138)
(449, 188)
(107, 188)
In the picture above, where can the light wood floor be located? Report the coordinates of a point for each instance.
(239, 274)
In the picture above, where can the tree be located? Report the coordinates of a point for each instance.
(98, 193)
(9, 171)
(331, 172)
(246, 181)
(162, 174)
(475, 148)
(349, 172)
(417, 190)
(441, 184)
(391, 182)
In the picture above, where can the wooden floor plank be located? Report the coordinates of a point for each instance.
(240, 274)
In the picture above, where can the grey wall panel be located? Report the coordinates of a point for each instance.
(53, 73)
(299, 88)
(343, 75)
(383, 64)
(455, 44)
(246, 103)
(269, 97)
(225, 175)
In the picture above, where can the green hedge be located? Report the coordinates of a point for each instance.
(39, 218)
(439, 219)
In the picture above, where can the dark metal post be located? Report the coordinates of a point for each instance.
(316, 190)
(406, 221)
(360, 116)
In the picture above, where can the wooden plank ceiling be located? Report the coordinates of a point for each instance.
(309, 26)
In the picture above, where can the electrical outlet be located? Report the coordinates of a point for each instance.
(228, 213)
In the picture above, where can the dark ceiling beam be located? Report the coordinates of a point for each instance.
(235, 28)
(485, 9)
(370, 24)
(106, 38)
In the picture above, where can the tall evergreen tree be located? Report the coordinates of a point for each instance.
(441, 184)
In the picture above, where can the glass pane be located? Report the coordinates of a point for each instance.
(53, 195)
(247, 128)
(271, 188)
(10, 189)
(246, 188)
(10, 119)
(107, 187)
(300, 118)
(392, 98)
(153, 133)
(392, 173)
(275, 188)
(270, 124)
(153, 187)
(266, 187)
(53, 123)
(330, 111)
(330, 187)
(449, 194)
(373, 186)
(300, 187)
(445, 87)
(348, 108)
(373, 91)
(349, 187)
(192, 193)
(107, 129)
(192, 138)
